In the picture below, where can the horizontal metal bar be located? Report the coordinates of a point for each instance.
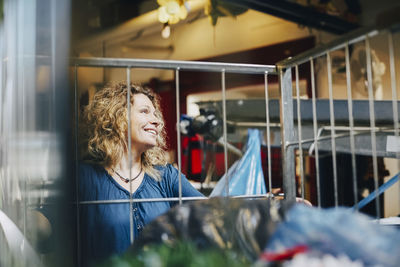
(362, 143)
(253, 110)
(357, 130)
(118, 201)
(173, 65)
(258, 196)
(349, 38)
(172, 199)
(312, 140)
(253, 124)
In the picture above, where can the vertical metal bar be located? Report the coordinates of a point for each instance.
(351, 125)
(178, 133)
(287, 133)
(53, 70)
(23, 141)
(225, 130)
(268, 132)
(372, 123)
(103, 53)
(300, 135)
(315, 130)
(76, 116)
(332, 121)
(128, 107)
(394, 95)
(394, 90)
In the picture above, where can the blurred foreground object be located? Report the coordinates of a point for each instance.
(345, 233)
(241, 225)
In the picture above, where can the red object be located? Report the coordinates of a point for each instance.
(276, 166)
(196, 161)
(192, 157)
(284, 255)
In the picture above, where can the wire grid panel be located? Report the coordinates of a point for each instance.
(176, 66)
(351, 126)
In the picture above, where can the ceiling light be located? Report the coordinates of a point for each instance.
(166, 31)
(172, 11)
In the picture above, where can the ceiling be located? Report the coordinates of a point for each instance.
(130, 28)
(93, 16)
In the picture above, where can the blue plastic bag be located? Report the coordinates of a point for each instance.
(245, 175)
(337, 231)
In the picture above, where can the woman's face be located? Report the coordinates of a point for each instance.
(144, 123)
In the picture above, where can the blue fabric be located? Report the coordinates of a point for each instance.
(105, 228)
(245, 175)
(337, 231)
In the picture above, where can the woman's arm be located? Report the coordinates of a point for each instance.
(187, 189)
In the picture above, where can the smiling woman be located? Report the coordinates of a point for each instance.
(110, 169)
(104, 128)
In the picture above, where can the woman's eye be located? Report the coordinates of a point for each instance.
(144, 111)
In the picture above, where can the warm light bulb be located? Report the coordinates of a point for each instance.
(163, 16)
(171, 11)
(182, 14)
(172, 7)
(166, 31)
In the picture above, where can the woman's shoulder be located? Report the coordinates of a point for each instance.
(86, 168)
(166, 170)
(167, 173)
(93, 182)
(88, 172)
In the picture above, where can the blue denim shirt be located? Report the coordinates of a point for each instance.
(105, 228)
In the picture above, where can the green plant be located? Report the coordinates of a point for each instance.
(179, 254)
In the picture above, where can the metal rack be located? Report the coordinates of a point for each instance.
(333, 129)
(35, 119)
(343, 134)
(175, 66)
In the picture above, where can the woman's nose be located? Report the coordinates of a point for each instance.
(154, 120)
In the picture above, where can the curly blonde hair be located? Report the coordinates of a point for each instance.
(104, 127)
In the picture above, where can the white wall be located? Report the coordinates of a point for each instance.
(189, 41)
(392, 195)
(380, 46)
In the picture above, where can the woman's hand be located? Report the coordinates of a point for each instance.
(277, 192)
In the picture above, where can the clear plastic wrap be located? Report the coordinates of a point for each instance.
(245, 175)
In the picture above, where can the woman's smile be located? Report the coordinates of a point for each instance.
(144, 123)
